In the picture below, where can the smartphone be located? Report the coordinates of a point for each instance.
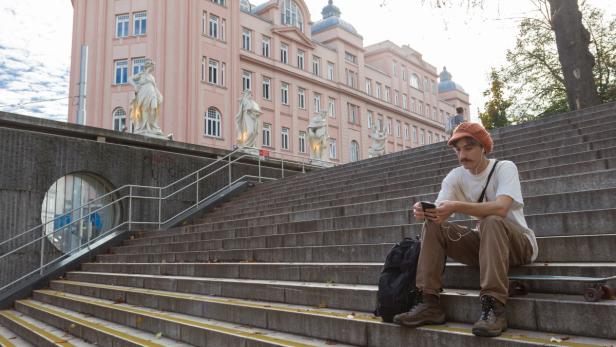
(425, 205)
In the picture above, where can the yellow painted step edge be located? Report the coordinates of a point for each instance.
(4, 342)
(313, 311)
(170, 318)
(94, 326)
(59, 341)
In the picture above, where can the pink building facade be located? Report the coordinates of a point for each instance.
(208, 51)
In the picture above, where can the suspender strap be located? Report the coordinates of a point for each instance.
(483, 193)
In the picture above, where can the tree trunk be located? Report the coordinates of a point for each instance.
(572, 40)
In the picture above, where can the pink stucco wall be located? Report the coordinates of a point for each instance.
(175, 41)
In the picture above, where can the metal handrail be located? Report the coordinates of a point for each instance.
(118, 197)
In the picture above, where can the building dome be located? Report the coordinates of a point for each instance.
(446, 84)
(331, 18)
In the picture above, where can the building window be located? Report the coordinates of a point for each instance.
(302, 142)
(122, 25)
(267, 135)
(220, 2)
(203, 68)
(396, 98)
(422, 137)
(413, 105)
(403, 73)
(284, 93)
(414, 81)
(139, 23)
(421, 108)
(379, 123)
(429, 137)
(398, 129)
(213, 71)
(368, 86)
(246, 35)
(378, 91)
(119, 119)
(221, 34)
(316, 65)
(300, 59)
(387, 94)
(354, 151)
(138, 64)
(291, 15)
(317, 102)
(394, 69)
(350, 57)
(406, 131)
(214, 26)
(389, 126)
(404, 100)
(332, 149)
(246, 80)
(267, 82)
(284, 138)
(265, 46)
(301, 98)
(121, 71)
(369, 119)
(330, 71)
(212, 122)
(331, 107)
(426, 85)
(222, 74)
(284, 53)
(434, 113)
(353, 112)
(414, 134)
(351, 78)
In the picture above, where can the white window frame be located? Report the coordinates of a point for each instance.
(267, 135)
(122, 66)
(138, 65)
(214, 26)
(415, 135)
(300, 59)
(301, 98)
(368, 86)
(140, 20)
(213, 122)
(203, 69)
(330, 70)
(414, 81)
(331, 107)
(284, 93)
(379, 91)
(122, 25)
(316, 65)
(354, 149)
(246, 80)
(317, 102)
(267, 88)
(302, 142)
(246, 39)
(284, 138)
(265, 46)
(406, 131)
(387, 94)
(332, 149)
(284, 53)
(404, 102)
(370, 120)
(292, 15)
(212, 71)
(119, 119)
(398, 129)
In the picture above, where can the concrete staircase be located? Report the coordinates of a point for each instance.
(296, 262)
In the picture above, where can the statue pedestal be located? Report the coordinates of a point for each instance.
(321, 163)
(249, 150)
(154, 135)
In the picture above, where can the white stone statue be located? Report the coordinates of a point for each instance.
(246, 121)
(379, 139)
(318, 136)
(146, 105)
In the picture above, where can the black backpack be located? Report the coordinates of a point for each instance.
(397, 292)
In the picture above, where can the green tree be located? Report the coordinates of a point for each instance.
(533, 74)
(495, 109)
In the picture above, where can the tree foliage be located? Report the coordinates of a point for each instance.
(495, 110)
(533, 76)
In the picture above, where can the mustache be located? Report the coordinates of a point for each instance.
(465, 161)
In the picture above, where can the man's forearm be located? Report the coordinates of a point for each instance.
(481, 210)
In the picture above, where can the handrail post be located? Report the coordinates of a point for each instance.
(160, 206)
(42, 249)
(259, 169)
(130, 207)
(89, 221)
(197, 189)
(230, 178)
(282, 166)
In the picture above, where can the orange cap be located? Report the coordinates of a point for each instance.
(474, 130)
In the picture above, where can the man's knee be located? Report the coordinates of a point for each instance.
(492, 223)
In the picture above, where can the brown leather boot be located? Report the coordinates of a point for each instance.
(427, 311)
(492, 321)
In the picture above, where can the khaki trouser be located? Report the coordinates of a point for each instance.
(500, 243)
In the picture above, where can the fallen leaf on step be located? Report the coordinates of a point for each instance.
(72, 326)
(119, 301)
(555, 339)
(322, 305)
(351, 316)
(159, 335)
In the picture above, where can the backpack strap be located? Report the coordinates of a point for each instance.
(488, 181)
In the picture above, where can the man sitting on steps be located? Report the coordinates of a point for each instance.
(501, 239)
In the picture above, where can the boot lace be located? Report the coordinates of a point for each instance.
(487, 307)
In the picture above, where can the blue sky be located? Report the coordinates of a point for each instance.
(35, 43)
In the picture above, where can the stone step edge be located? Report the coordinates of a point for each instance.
(35, 329)
(296, 309)
(258, 335)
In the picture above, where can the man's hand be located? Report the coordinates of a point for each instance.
(440, 214)
(418, 211)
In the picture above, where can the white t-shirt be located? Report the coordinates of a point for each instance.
(461, 185)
